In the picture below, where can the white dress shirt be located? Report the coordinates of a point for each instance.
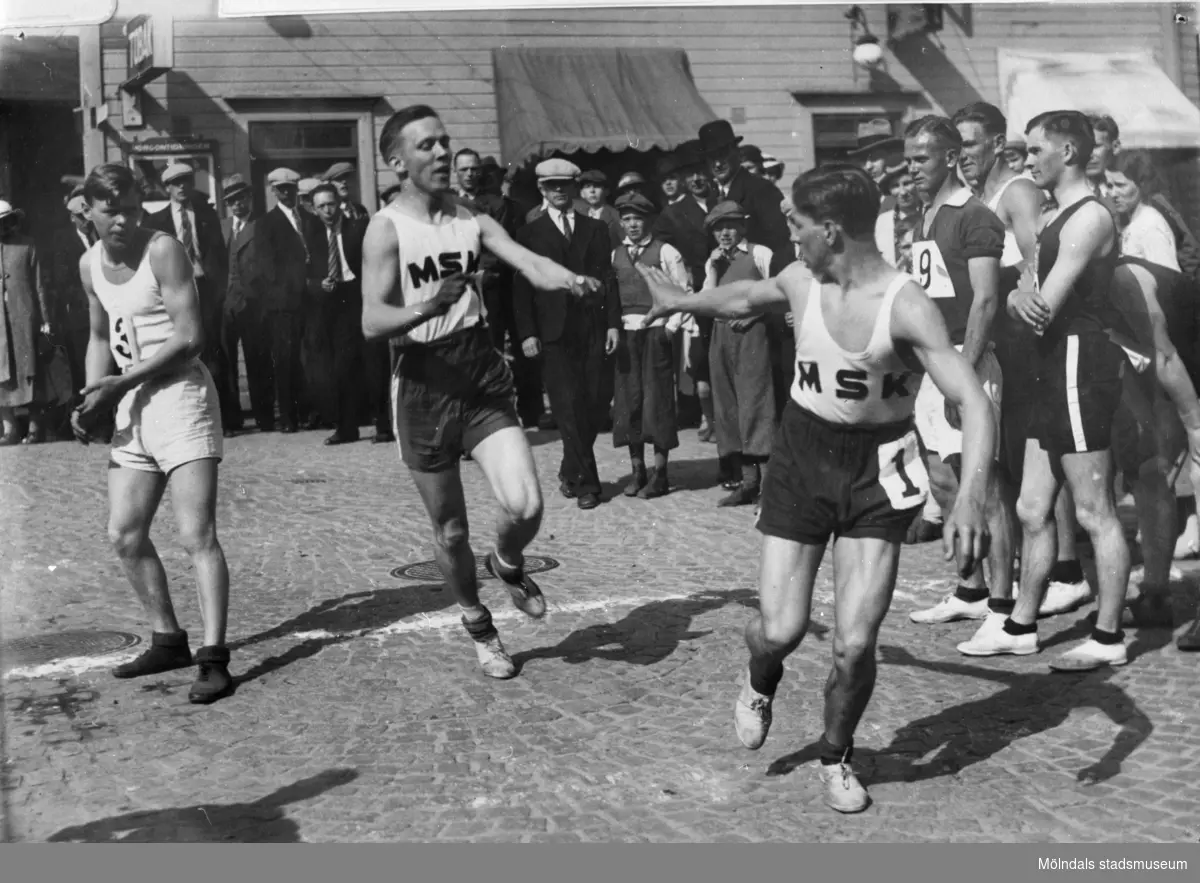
(347, 273)
(557, 217)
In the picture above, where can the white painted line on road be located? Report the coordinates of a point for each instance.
(74, 665)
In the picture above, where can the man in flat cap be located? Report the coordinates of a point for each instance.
(593, 189)
(284, 231)
(245, 302)
(644, 369)
(573, 336)
(344, 178)
(305, 188)
(194, 222)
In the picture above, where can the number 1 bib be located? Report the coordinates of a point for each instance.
(930, 269)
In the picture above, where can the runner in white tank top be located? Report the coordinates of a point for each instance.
(145, 323)
(452, 392)
(846, 463)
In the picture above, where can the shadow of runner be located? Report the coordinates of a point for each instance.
(975, 731)
(646, 635)
(262, 821)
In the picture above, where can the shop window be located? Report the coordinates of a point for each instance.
(271, 138)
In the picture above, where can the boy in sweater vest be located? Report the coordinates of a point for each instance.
(743, 383)
(644, 376)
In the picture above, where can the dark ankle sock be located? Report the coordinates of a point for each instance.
(751, 476)
(765, 675)
(1066, 572)
(1102, 637)
(834, 754)
(999, 605)
(480, 629)
(1015, 628)
(971, 595)
(169, 639)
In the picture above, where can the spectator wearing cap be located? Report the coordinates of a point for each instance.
(895, 226)
(743, 381)
(752, 159)
(70, 303)
(644, 372)
(284, 236)
(344, 178)
(194, 222)
(670, 179)
(772, 168)
(572, 335)
(245, 302)
(305, 188)
(593, 190)
(682, 225)
(25, 328)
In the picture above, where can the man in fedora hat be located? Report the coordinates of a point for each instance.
(878, 149)
(344, 178)
(245, 302)
(644, 375)
(285, 231)
(759, 199)
(573, 337)
(194, 222)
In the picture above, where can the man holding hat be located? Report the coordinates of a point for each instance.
(284, 231)
(245, 302)
(593, 189)
(194, 222)
(344, 178)
(644, 380)
(572, 336)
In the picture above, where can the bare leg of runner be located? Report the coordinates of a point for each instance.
(194, 499)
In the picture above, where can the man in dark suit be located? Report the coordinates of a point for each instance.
(573, 336)
(335, 275)
(245, 295)
(191, 220)
(285, 256)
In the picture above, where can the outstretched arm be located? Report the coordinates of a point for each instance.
(918, 323)
(541, 271)
(738, 300)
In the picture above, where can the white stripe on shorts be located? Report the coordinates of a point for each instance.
(1073, 394)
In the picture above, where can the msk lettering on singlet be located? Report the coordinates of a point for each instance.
(448, 264)
(851, 385)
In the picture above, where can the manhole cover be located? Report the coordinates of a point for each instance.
(427, 571)
(41, 649)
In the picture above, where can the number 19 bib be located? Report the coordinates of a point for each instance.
(930, 269)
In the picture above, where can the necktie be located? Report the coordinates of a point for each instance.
(635, 251)
(186, 236)
(566, 226)
(335, 259)
(237, 227)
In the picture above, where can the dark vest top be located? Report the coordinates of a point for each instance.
(1088, 306)
(635, 294)
(741, 268)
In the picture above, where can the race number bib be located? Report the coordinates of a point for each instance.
(930, 269)
(123, 340)
(902, 472)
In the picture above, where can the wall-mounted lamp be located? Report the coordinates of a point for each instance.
(865, 48)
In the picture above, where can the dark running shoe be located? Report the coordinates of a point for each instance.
(212, 681)
(525, 594)
(165, 653)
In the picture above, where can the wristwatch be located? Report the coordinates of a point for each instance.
(580, 280)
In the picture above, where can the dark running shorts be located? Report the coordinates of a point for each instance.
(448, 396)
(826, 479)
(1078, 393)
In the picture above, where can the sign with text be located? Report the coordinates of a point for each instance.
(151, 49)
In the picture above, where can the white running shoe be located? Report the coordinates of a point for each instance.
(843, 791)
(992, 640)
(752, 715)
(1091, 655)
(494, 659)
(951, 609)
(1064, 597)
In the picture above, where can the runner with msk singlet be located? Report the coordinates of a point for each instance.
(846, 462)
(452, 392)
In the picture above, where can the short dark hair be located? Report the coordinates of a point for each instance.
(1069, 124)
(324, 187)
(987, 115)
(109, 182)
(841, 193)
(466, 151)
(1139, 167)
(938, 126)
(1106, 124)
(389, 138)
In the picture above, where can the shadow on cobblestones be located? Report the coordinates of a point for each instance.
(975, 731)
(646, 635)
(262, 821)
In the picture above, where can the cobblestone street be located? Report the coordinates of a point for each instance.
(361, 716)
